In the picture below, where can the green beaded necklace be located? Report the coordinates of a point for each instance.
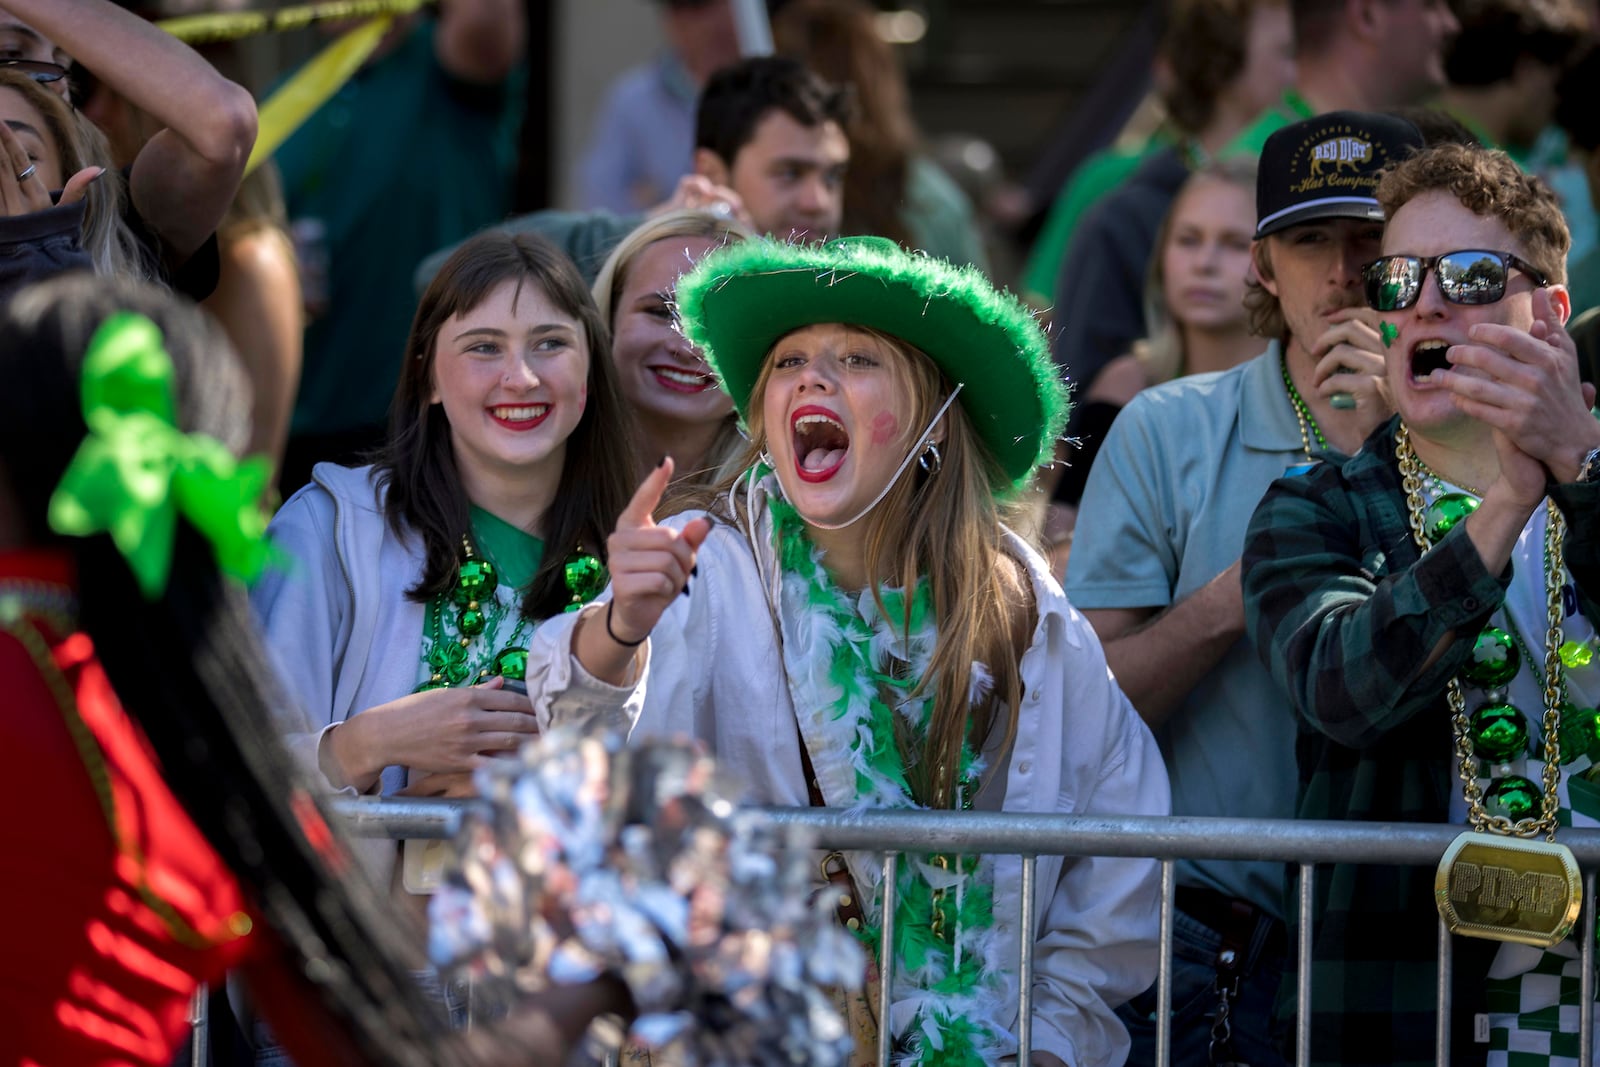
(481, 609)
(1302, 413)
(1497, 731)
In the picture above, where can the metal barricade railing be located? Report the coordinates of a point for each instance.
(1306, 843)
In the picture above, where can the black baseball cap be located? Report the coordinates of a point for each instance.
(1327, 167)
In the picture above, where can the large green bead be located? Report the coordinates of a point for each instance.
(1580, 732)
(471, 622)
(1499, 733)
(512, 663)
(1443, 514)
(477, 580)
(1514, 797)
(1494, 660)
(585, 577)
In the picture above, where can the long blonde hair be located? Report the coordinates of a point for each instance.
(945, 525)
(106, 237)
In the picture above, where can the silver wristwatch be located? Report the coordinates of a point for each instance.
(1589, 469)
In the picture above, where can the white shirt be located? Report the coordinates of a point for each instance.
(714, 673)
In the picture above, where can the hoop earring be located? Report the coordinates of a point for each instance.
(930, 460)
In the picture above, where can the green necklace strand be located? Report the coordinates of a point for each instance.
(481, 608)
(1498, 732)
(1302, 413)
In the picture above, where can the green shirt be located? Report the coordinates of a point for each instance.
(1290, 108)
(515, 553)
(1095, 177)
(403, 159)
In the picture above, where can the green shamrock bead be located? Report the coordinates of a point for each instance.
(1576, 654)
(512, 663)
(1514, 797)
(1499, 733)
(471, 622)
(585, 577)
(477, 580)
(1494, 660)
(1443, 514)
(1580, 732)
(444, 656)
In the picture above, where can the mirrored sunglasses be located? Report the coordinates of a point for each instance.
(35, 69)
(1471, 276)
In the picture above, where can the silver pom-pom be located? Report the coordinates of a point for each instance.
(594, 858)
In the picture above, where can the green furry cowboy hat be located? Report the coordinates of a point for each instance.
(739, 300)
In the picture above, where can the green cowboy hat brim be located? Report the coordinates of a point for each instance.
(738, 301)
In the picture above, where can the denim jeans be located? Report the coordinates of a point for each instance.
(452, 995)
(1195, 1000)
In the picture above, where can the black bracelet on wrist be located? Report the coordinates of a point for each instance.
(613, 634)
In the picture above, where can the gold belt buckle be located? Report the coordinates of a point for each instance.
(1508, 889)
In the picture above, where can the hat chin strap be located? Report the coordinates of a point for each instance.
(916, 449)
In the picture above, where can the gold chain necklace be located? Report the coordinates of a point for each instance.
(1506, 888)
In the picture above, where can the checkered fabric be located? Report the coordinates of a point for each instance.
(1533, 1011)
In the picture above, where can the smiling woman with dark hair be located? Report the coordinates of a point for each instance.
(416, 584)
(419, 581)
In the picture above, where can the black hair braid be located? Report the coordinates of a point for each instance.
(189, 669)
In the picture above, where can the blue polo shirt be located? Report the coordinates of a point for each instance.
(1165, 511)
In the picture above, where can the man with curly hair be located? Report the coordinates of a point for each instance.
(1425, 606)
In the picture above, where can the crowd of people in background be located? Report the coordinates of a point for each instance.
(1266, 489)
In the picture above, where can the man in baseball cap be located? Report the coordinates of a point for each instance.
(1157, 571)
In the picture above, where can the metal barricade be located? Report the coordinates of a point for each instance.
(1306, 843)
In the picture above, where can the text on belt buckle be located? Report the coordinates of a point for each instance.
(1508, 889)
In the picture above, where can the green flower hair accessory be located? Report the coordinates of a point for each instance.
(136, 471)
(739, 300)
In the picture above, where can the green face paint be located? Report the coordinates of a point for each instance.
(1388, 331)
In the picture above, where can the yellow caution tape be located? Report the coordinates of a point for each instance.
(232, 25)
(311, 86)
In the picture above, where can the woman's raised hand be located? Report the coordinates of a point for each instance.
(649, 564)
(22, 191)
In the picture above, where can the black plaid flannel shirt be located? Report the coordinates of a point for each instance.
(1344, 611)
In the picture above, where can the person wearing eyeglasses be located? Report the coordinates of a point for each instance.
(1154, 564)
(1426, 608)
(203, 126)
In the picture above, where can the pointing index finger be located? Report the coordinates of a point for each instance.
(638, 514)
